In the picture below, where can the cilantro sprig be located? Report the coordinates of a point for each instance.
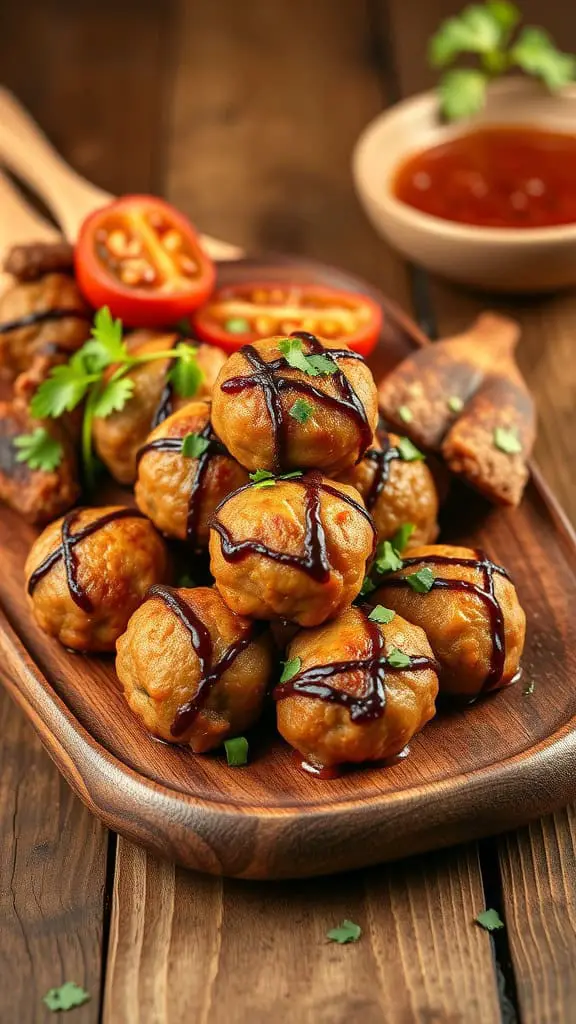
(97, 374)
(265, 478)
(39, 450)
(488, 31)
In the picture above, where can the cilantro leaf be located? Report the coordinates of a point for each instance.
(506, 14)
(402, 536)
(387, 558)
(261, 474)
(368, 587)
(381, 614)
(490, 920)
(507, 441)
(479, 28)
(462, 93)
(536, 54)
(422, 580)
(193, 446)
(321, 365)
(264, 478)
(346, 932)
(62, 390)
(66, 997)
(293, 351)
(405, 414)
(186, 375)
(301, 411)
(105, 345)
(236, 751)
(39, 450)
(113, 397)
(455, 403)
(291, 668)
(397, 659)
(408, 451)
(529, 688)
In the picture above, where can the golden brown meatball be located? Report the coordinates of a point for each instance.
(43, 318)
(192, 670)
(87, 573)
(179, 493)
(295, 550)
(118, 437)
(273, 415)
(470, 612)
(345, 702)
(396, 490)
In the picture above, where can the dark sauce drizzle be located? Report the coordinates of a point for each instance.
(314, 682)
(314, 562)
(202, 644)
(41, 316)
(165, 406)
(267, 377)
(382, 459)
(174, 444)
(486, 593)
(66, 552)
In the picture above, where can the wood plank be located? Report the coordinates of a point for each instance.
(183, 945)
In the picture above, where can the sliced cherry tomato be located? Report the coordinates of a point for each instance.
(240, 314)
(142, 258)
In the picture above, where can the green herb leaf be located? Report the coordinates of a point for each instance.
(346, 932)
(479, 28)
(261, 474)
(315, 366)
(236, 751)
(507, 441)
(66, 997)
(536, 54)
(237, 325)
(455, 404)
(408, 451)
(422, 580)
(264, 478)
(397, 659)
(186, 375)
(490, 920)
(506, 14)
(193, 446)
(462, 93)
(113, 397)
(381, 614)
(301, 410)
(405, 414)
(291, 668)
(62, 390)
(367, 587)
(105, 345)
(529, 688)
(39, 450)
(321, 365)
(387, 558)
(400, 539)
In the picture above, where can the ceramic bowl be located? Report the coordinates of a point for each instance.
(496, 259)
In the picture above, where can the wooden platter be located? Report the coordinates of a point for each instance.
(472, 772)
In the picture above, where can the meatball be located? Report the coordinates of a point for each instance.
(300, 408)
(118, 437)
(87, 573)
(345, 701)
(294, 550)
(470, 612)
(192, 670)
(178, 492)
(396, 490)
(46, 317)
(29, 262)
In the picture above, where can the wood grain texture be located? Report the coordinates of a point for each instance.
(184, 946)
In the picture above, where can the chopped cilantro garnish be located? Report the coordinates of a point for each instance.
(529, 688)
(291, 668)
(301, 410)
(66, 997)
(405, 414)
(346, 932)
(490, 920)
(264, 478)
(422, 580)
(315, 366)
(397, 659)
(455, 404)
(507, 441)
(367, 587)
(236, 751)
(39, 450)
(381, 614)
(408, 451)
(193, 446)
(321, 365)
(402, 536)
(387, 558)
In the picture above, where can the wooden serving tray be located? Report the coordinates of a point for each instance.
(471, 772)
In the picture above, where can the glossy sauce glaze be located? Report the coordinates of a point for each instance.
(174, 444)
(315, 681)
(486, 593)
(512, 177)
(382, 459)
(40, 317)
(268, 377)
(314, 562)
(202, 643)
(65, 551)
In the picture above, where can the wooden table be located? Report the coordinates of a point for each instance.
(244, 115)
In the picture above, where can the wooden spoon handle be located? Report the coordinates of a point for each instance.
(19, 223)
(26, 150)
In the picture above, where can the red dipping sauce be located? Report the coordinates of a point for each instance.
(510, 177)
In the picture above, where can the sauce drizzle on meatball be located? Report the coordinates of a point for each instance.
(66, 552)
(202, 644)
(39, 317)
(314, 562)
(366, 707)
(381, 457)
(272, 386)
(486, 593)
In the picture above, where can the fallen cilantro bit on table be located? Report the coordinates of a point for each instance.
(193, 446)
(490, 920)
(507, 441)
(528, 689)
(402, 536)
(397, 659)
(381, 614)
(39, 450)
(455, 404)
(236, 751)
(315, 366)
(301, 410)
(346, 932)
(422, 580)
(290, 669)
(387, 558)
(408, 451)
(66, 997)
(405, 414)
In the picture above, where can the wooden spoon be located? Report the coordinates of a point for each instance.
(27, 152)
(19, 223)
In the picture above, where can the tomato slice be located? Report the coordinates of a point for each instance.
(240, 314)
(143, 259)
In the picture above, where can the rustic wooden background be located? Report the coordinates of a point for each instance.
(244, 114)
